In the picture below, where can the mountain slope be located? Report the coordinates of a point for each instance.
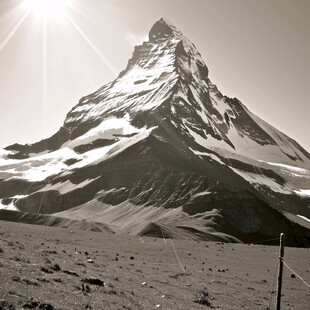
(162, 135)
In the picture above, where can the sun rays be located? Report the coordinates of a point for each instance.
(45, 20)
(14, 30)
(96, 50)
(44, 75)
(53, 11)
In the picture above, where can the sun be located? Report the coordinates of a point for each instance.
(48, 9)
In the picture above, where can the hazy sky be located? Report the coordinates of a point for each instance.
(256, 50)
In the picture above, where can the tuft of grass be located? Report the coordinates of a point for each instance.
(202, 297)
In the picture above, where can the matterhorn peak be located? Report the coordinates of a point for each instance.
(162, 30)
(161, 135)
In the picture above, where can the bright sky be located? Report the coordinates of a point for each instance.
(257, 51)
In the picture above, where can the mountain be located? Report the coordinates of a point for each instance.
(160, 151)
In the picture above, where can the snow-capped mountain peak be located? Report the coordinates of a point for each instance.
(164, 30)
(163, 135)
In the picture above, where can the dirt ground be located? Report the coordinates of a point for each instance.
(55, 268)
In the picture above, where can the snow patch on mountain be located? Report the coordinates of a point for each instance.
(46, 164)
(304, 218)
(9, 206)
(37, 168)
(4, 153)
(260, 179)
(212, 156)
(66, 186)
(297, 170)
(287, 145)
(303, 192)
(43, 166)
(208, 142)
(126, 143)
(110, 128)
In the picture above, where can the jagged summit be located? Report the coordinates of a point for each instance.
(162, 30)
(156, 71)
(161, 135)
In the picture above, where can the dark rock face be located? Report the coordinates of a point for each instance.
(246, 126)
(161, 135)
(160, 30)
(51, 144)
(83, 148)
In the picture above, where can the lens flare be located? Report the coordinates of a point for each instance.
(13, 31)
(48, 9)
(91, 44)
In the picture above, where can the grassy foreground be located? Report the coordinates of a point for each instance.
(55, 268)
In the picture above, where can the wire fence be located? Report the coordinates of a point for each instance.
(267, 240)
(176, 255)
(295, 273)
(272, 290)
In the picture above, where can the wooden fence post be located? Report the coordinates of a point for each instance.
(280, 271)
